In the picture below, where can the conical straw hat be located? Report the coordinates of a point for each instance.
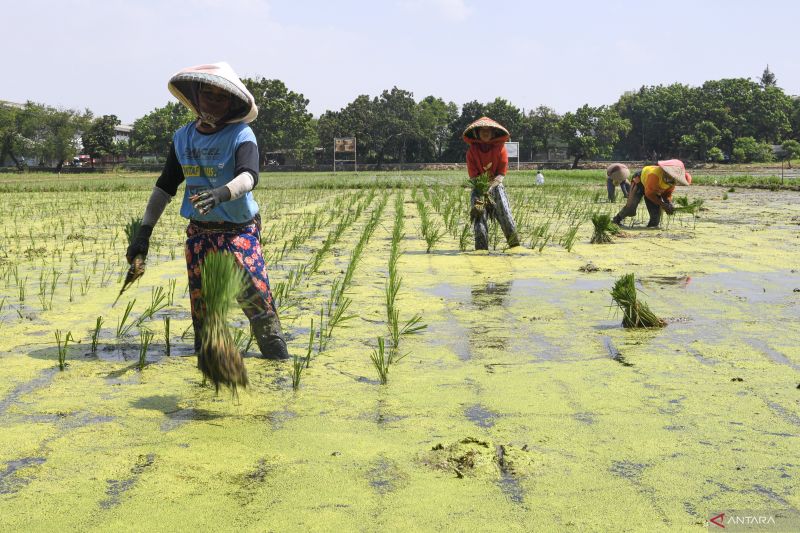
(618, 173)
(184, 85)
(484, 122)
(675, 169)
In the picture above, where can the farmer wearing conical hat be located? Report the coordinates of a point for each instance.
(487, 158)
(617, 174)
(655, 183)
(217, 156)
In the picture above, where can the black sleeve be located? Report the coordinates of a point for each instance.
(247, 160)
(171, 175)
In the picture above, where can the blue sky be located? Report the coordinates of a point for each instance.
(115, 56)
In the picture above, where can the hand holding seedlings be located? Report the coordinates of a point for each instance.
(205, 201)
(139, 244)
(139, 240)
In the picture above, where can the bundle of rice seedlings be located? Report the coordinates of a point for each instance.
(603, 229)
(136, 270)
(219, 359)
(635, 313)
(484, 202)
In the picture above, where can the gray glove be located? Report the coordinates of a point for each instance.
(205, 201)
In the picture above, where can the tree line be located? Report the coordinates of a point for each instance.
(735, 119)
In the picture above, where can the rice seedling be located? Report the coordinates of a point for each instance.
(219, 359)
(171, 291)
(310, 349)
(158, 301)
(463, 238)
(145, 336)
(123, 327)
(412, 326)
(635, 313)
(301, 363)
(62, 348)
(136, 269)
(21, 289)
(337, 316)
(683, 205)
(603, 229)
(383, 358)
(166, 336)
(494, 235)
(96, 333)
(240, 339)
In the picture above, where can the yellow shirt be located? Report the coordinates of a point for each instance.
(654, 186)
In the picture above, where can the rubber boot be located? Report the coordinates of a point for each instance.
(502, 214)
(481, 234)
(269, 336)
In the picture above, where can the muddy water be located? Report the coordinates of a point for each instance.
(524, 405)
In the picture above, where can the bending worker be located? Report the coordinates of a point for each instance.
(655, 184)
(487, 156)
(617, 174)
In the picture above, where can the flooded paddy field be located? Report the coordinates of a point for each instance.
(523, 405)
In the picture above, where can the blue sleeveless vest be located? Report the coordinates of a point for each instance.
(208, 162)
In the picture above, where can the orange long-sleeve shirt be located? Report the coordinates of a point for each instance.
(480, 155)
(654, 187)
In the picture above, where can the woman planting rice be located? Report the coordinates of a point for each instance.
(487, 163)
(655, 183)
(617, 174)
(217, 157)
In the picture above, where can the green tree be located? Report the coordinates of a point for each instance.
(62, 141)
(771, 115)
(592, 132)
(791, 150)
(10, 143)
(747, 150)
(696, 146)
(506, 114)
(98, 141)
(434, 119)
(539, 130)
(715, 155)
(659, 116)
(395, 124)
(283, 118)
(768, 79)
(456, 148)
(794, 118)
(152, 133)
(41, 133)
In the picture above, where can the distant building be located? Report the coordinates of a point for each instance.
(122, 133)
(12, 104)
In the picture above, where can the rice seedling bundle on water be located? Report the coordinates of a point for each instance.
(603, 229)
(219, 359)
(635, 313)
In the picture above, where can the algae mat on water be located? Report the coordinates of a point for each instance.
(523, 406)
